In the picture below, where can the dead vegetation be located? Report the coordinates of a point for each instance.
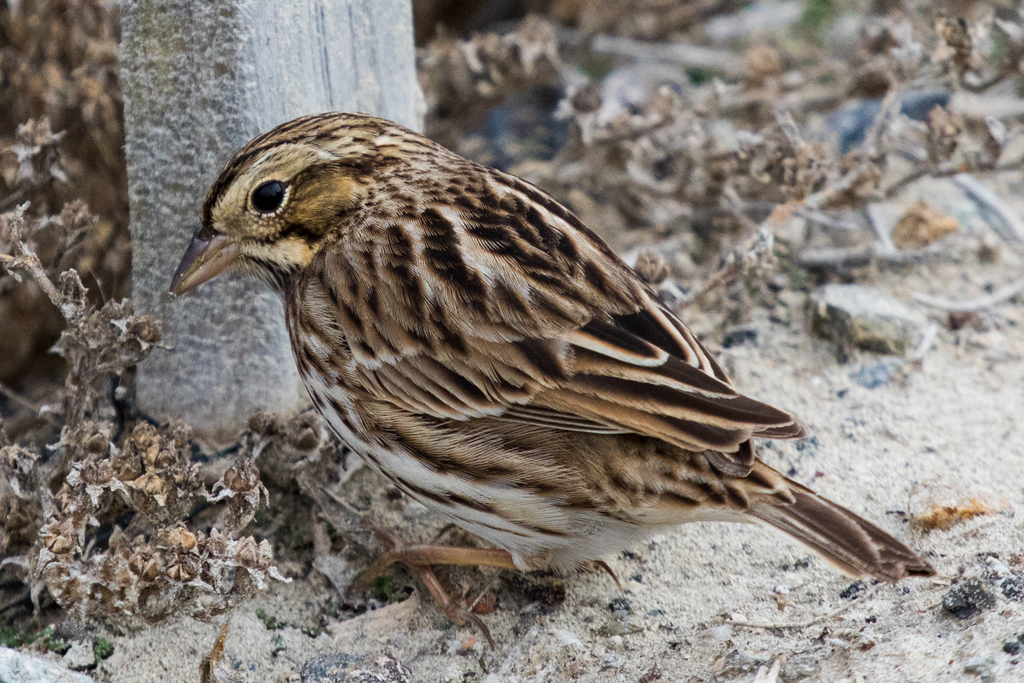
(666, 152)
(61, 141)
(99, 518)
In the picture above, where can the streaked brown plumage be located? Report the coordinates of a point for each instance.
(483, 349)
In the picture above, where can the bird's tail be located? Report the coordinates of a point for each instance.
(853, 544)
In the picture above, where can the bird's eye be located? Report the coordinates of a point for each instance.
(267, 198)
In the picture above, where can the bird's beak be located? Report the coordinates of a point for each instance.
(207, 256)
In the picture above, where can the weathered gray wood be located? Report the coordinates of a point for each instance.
(200, 79)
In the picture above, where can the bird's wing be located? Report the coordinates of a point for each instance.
(508, 306)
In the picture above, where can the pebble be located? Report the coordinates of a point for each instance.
(723, 632)
(18, 667)
(966, 598)
(866, 318)
(853, 120)
(877, 374)
(567, 638)
(1013, 586)
(621, 608)
(80, 655)
(740, 334)
(853, 591)
(981, 667)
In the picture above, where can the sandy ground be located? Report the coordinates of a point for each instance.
(946, 430)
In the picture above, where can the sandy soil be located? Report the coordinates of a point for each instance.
(947, 430)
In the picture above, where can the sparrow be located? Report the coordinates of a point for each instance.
(488, 353)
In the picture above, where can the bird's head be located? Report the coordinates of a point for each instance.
(284, 196)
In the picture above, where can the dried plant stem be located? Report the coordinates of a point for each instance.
(14, 198)
(689, 56)
(343, 517)
(754, 251)
(15, 397)
(809, 622)
(30, 262)
(971, 305)
(983, 194)
(944, 170)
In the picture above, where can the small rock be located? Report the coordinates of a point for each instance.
(344, 668)
(877, 374)
(964, 599)
(981, 667)
(1013, 586)
(845, 36)
(80, 655)
(853, 591)
(853, 119)
(740, 334)
(723, 632)
(800, 666)
(18, 667)
(997, 569)
(763, 64)
(1013, 647)
(653, 674)
(567, 638)
(683, 265)
(485, 604)
(862, 317)
(734, 664)
(620, 606)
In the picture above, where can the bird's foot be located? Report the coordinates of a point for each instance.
(420, 559)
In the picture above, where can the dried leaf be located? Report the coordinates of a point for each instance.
(921, 225)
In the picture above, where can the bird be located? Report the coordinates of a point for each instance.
(483, 349)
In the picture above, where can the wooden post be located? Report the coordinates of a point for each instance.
(200, 79)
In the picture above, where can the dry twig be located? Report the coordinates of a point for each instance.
(755, 252)
(972, 305)
(812, 621)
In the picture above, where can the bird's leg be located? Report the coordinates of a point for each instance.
(428, 555)
(420, 559)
